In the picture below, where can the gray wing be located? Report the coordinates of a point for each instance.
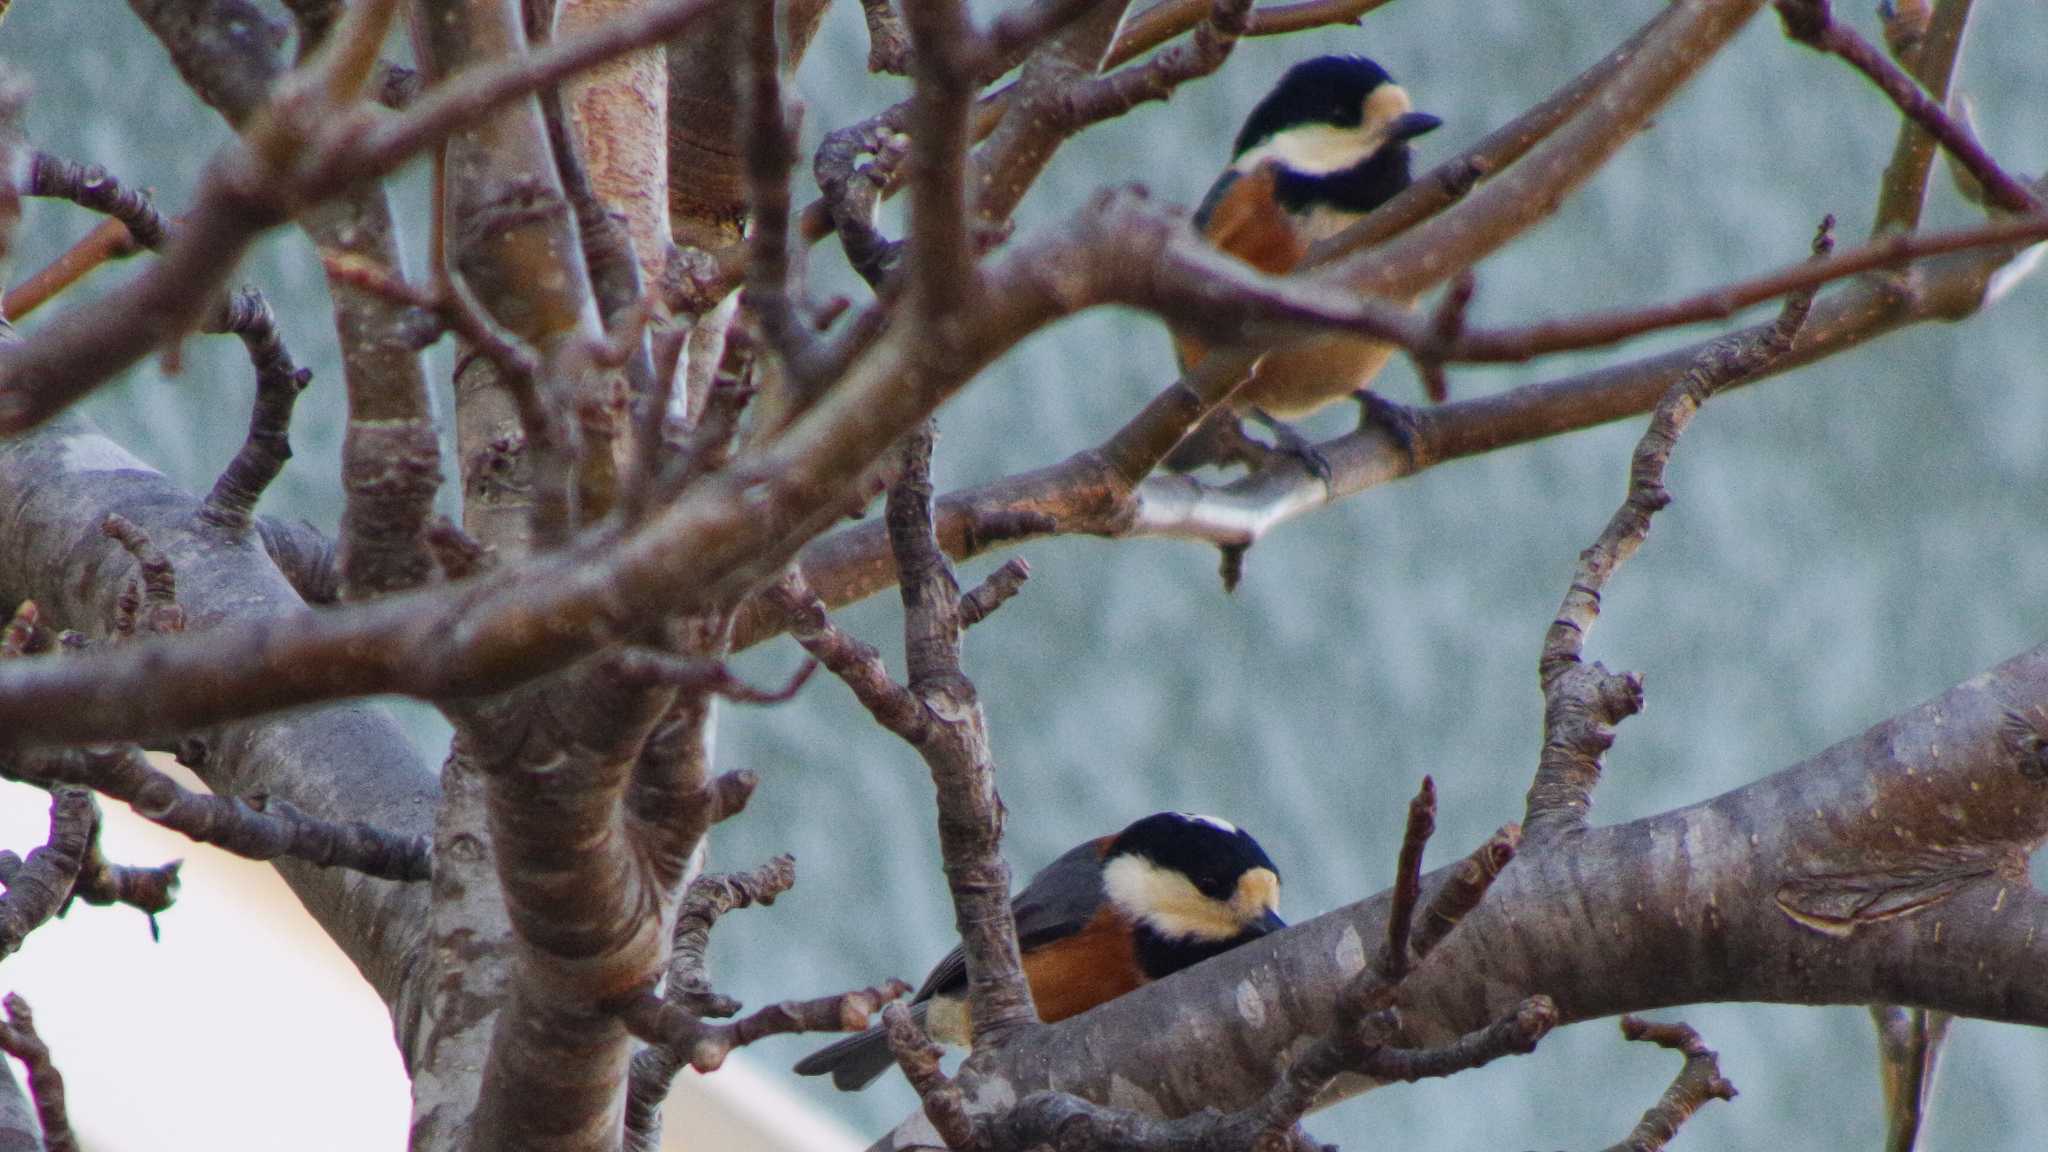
(1059, 901)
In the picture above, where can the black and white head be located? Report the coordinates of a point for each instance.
(1193, 881)
(1336, 128)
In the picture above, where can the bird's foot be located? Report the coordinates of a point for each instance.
(1396, 419)
(1219, 441)
(1290, 443)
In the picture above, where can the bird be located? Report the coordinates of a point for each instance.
(1109, 915)
(1327, 145)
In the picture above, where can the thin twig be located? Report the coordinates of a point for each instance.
(706, 1044)
(888, 44)
(1697, 1082)
(1583, 702)
(851, 659)
(44, 881)
(232, 502)
(255, 828)
(771, 154)
(19, 1039)
(1812, 23)
(688, 988)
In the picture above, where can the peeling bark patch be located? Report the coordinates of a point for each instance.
(992, 1096)
(98, 454)
(1836, 904)
(1250, 1005)
(1350, 952)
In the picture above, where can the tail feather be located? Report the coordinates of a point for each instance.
(856, 1061)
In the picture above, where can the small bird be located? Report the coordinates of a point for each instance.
(1108, 916)
(1326, 146)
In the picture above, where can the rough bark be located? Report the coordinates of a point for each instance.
(1854, 877)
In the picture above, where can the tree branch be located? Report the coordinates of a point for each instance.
(1903, 192)
(18, 1038)
(43, 883)
(1697, 1083)
(259, 828)
(1812, 23)
(1582, 703)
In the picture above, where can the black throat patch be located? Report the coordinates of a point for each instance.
(1161, 956)
(1358, 189)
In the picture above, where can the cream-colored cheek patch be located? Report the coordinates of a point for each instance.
(1387, 102)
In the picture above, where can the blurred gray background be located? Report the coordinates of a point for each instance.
(1846, 542)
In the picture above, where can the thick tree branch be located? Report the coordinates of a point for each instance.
(391, 451)
(1805, 887)
(342, 764)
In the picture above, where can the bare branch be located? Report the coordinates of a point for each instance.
(648, 668)
(983, 599)
(688, 988)
(109, 241)
(1582, 702)
(1392, 964)
(44, 881)
(956, 749)
(1698, 1082)
(256, 828)
(18, 1038)
(659, 1022)
(851, 659)
(1909, 1043)
(308, 150)
(245, 313)
(888, 43)
(1812, 23)
(771, 154)
(89, 186)
(1932, 59)
(941, 252)
(267, 447)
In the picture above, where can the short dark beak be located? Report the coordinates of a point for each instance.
(1409, 125)
(1271, 922)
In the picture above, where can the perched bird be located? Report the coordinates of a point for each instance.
(1109, 915)
(1326, 146)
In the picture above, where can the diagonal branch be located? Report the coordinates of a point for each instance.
(1582, 702)
(1812, 23)
(304, 150)
(1903, 193)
